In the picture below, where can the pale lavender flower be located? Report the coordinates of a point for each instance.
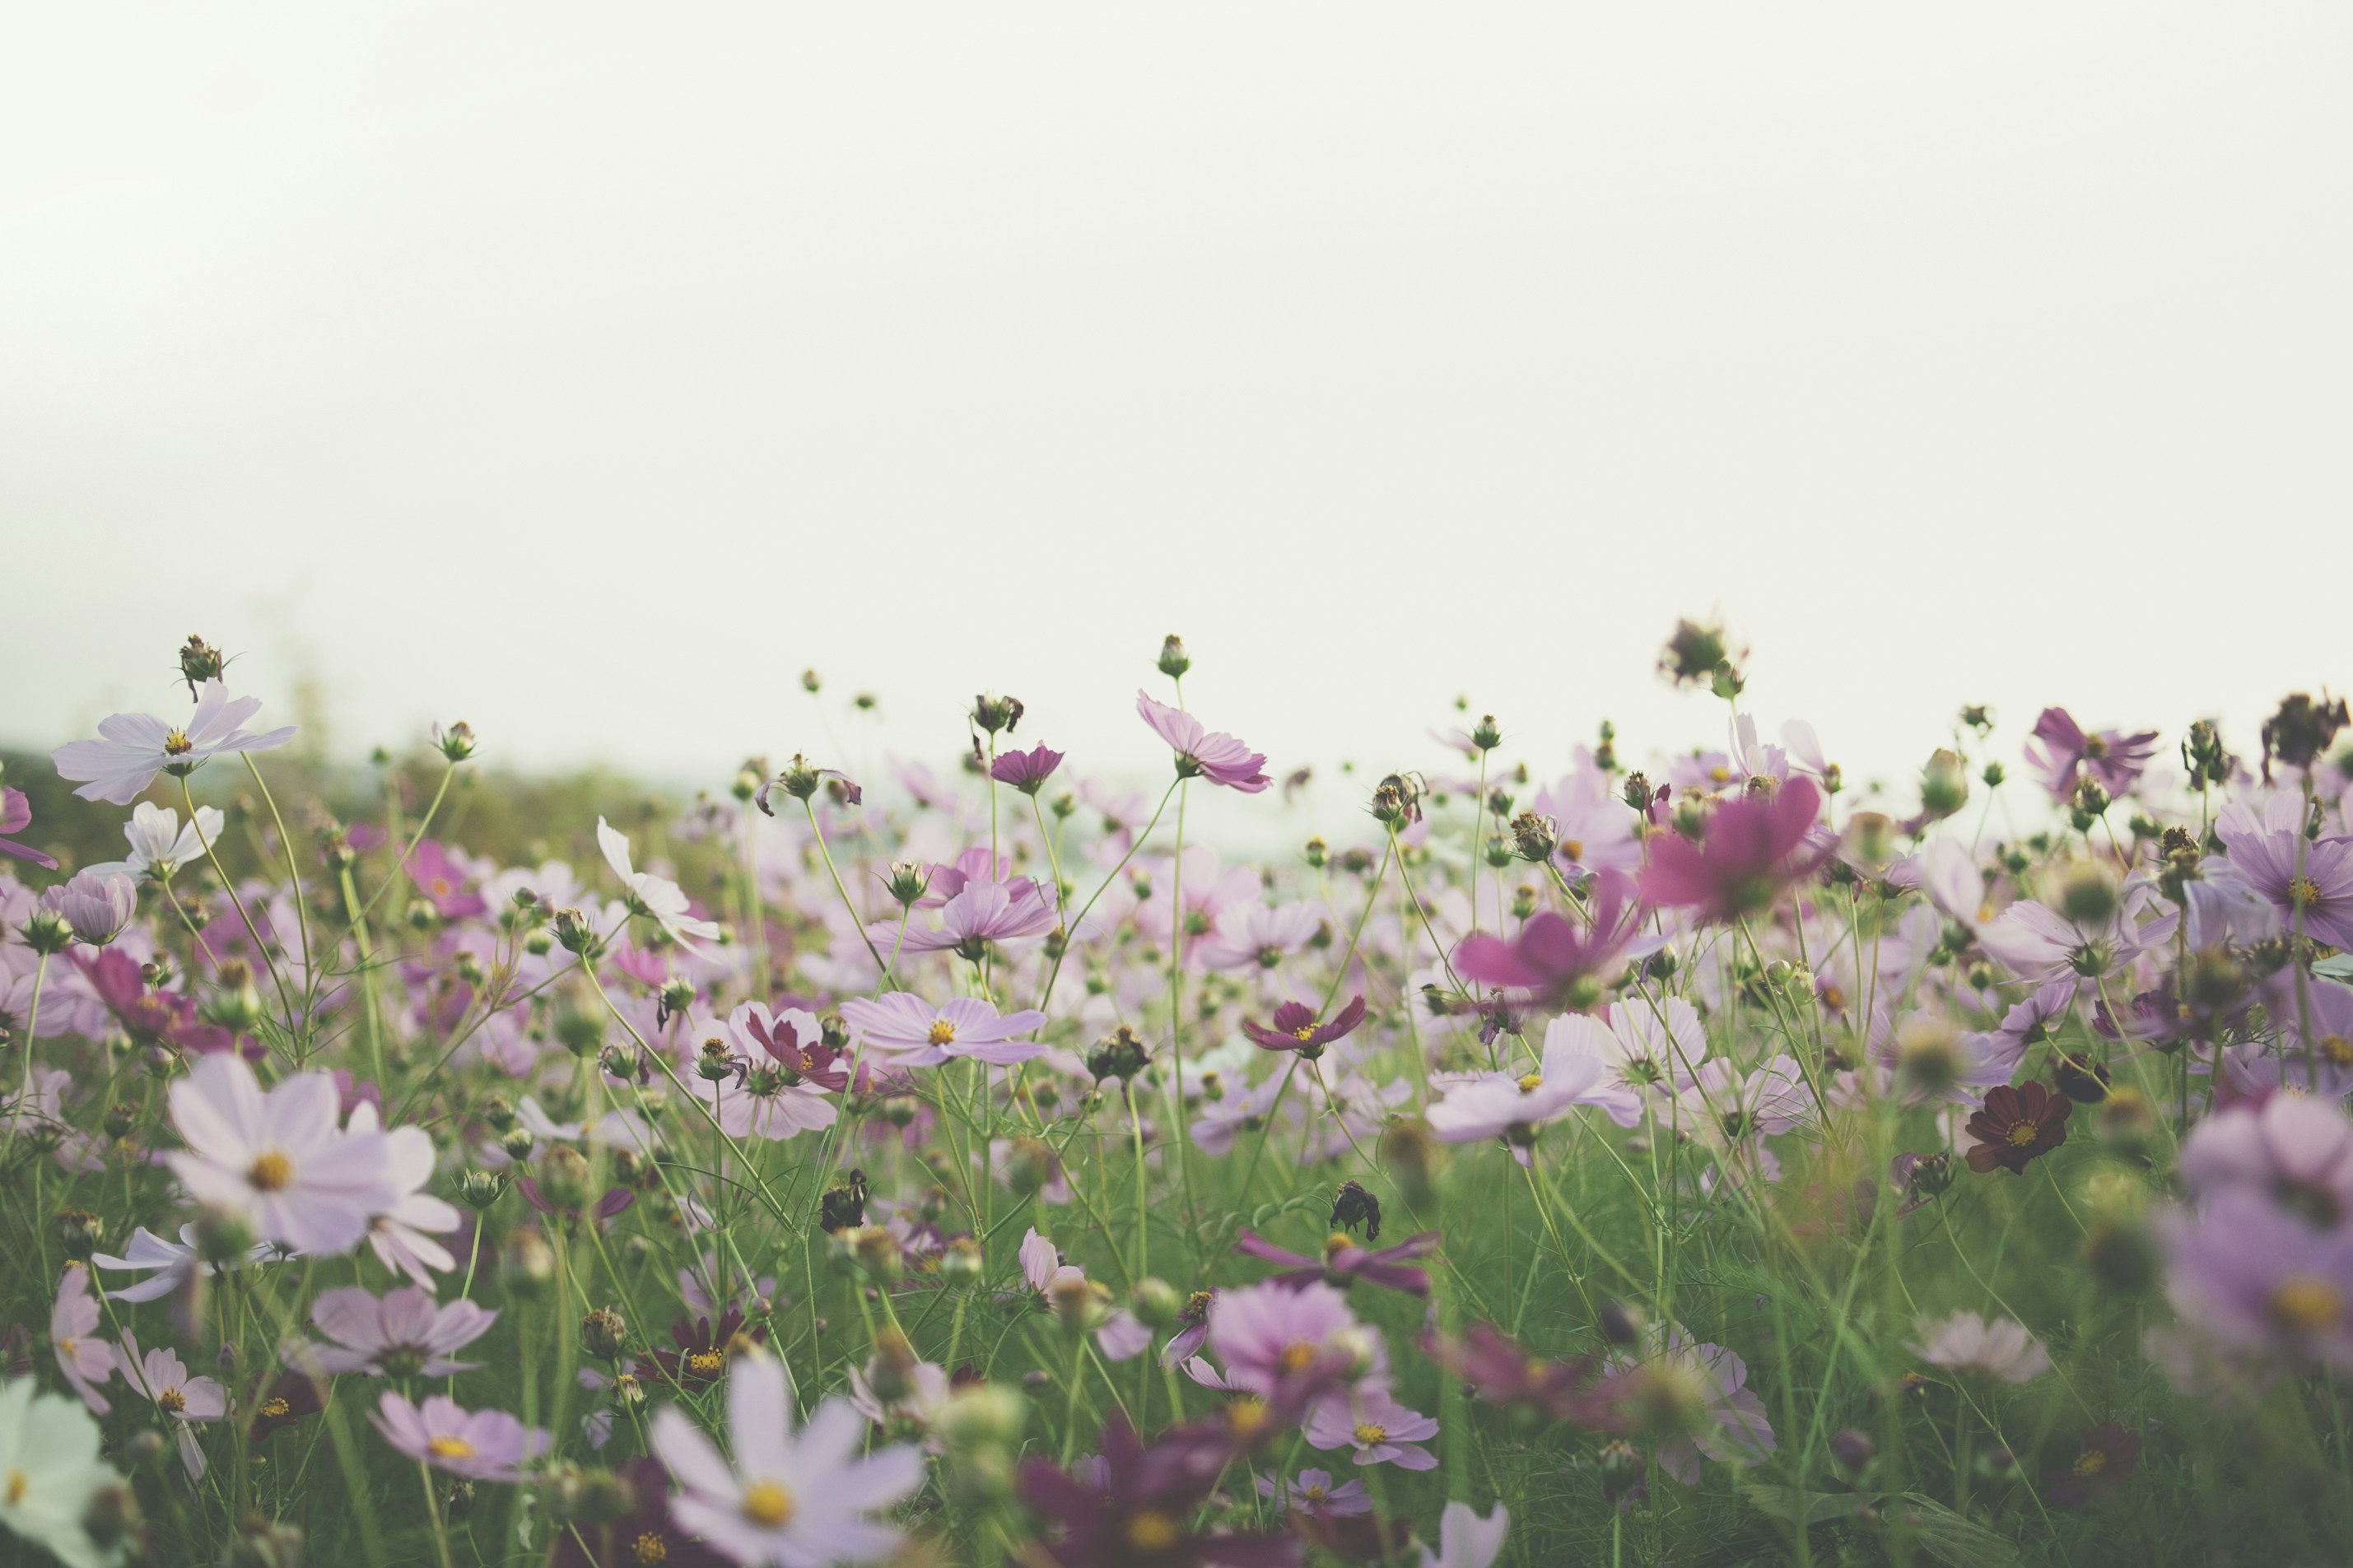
(1966, 1342)
(278, 1158)
(479, 1445)
(1121, 1336)
(159, 1374)
(96, 904)
(171, 1263)
(402, 1234)
(85, 1360)
(2271, 859)
(2251, 1276)
(136, 747)
(2037, 943)
(658, 898)
(1267, 1332)
(1313, 1491)
(2292, 1150)
(918, 1034)
(979, 914)
(406, 1334)
(795, 1500)
(1376, 1428)
(1575, 1072)
(1645, 1047)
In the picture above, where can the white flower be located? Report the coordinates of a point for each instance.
(1466, 1540)
(159, 845)
(48, 1468)
(1966, 1342)
(173, 1262)
(138, 746)
(658, 897)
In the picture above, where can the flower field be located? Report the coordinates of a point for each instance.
(1690, 1158)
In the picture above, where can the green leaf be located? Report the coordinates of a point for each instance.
(1953, 1540)
(1793, 1506)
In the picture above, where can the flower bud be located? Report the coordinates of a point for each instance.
(457, 742)
(1155, 1303)
(1172, 661)
(1853, 1448)
(983, 1415)
(620, 1060)
(1318, 852)
(1412, 1158)
(47, 932)
(145, 1447)
(1077, 1303)
(81, 1232)
(1030, 1165)
(602, 1332)
(893, 1374)
(907, 881)
(1118, 1054)
(2087, 893)
(478, 1190)
(564, 1178)
(526, 1263)
(712, 1059)
(994, 714)
(1944, 784)
(962, 1259)
(517, 1142)
(222, 1236)
(1927, 1053)
(1484, 734)
(112, 1513)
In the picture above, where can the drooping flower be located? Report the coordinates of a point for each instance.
(171, 1262)
(16, 815)
(658, 898)
(136, 747)
(1554, 962)
(1966, 1342)
(1751, 849)
(2017, 1126)
(48, 1460)
(793, 1498)
(1211, 755)
(2110, 1453)
(1025, 771)
(918, 1034)
(1121, 1335)
(1344, 1262)
(190, 1402)
(401, 1234)
(278, 1158)
(85, 1360)
(479, 1445)
(2064, 756)
(1295, 1029)
(406, 1334)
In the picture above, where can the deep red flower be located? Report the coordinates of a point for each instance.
(701, 1359)
(1295, 1029)
(2017, 1126)
(2111, 1451)
(1501, 1373)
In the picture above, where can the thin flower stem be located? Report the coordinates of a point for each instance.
(284, 999)
(295, 876)
(423, 826)
(855, 918)
(32, 1017)
(1134, 845)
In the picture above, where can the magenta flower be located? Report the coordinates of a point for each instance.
(1377, 1428)
(793, 1498)
(442, 881)
(917, 1034)
(1295, 1029)
(16, 815)
(1344, 1262)
(85, 1360)
(2065, 755)
(136, 747)
(1133, 1505)
(1553, 961)
(479, 1445)
(1025, 771)
(406, 1334)
(1750, 849)
(277, 1158)
(1211, 755)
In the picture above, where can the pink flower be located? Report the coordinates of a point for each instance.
(278, 1158)
(1558, 963)
(1025, 771)
(85, 1360)
(406, 1334)
(980, 913)
(96, 904)
(1751, 848)
(190, 1402)
(1121, 1336)
(1211, 755)
(796, 1500)
(480, 1444)
(1380, 1430)
(442, 881)
(1271, 1331)
(137, 747)
(16, 815)
(917, 1034)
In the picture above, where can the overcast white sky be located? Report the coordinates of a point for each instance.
(587, 371)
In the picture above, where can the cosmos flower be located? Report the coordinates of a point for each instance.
(1556, 963)
(793, 1498)
(479, 1445)
(1295, 1029)
(2017, 1126)
(1135, 1505)
(136, 747)
(656, 898)
(1751, 848)
(170, 1263)
(1503, 1373)
(1344, 1262)
(2271, 859)
(85, 1360)
(2290, 1148)
(1025, 771)
(644, 1537)
(1966, 1342)
(401, 1234)
(98, 905)
(918, 1034)
(1121, 1336)
(979, 914)
(1265, 1332)
(16, 815)
(1255, 935)
(2063, 755)
(1376, 1427)
(1313, 1491)
(2251, 1276)
(278, 1158)
(2111, 1451)
(442, 881)
(1501, 1105)
(1467, 1540)
(405, 1334)
(1211, 755)
(190, 1402)
(49, 1455)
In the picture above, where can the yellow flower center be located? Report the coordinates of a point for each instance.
(270, 1172)
(942, 1032)
(650, 1549)
(1371, 1435)
(177, 744)
(705, 1363)
(2301, 1302)
(2091, 1462)
(1246, 1415)
(1297, 1356)
(17, 1484)
(170, 1401)
(1531, 1083)
(1720, 774)
(2020, 1134)
(1315, 1494)
(768, 1504)
(2304, 892)
(1573, 848)
(444, 1446)
(2335, 1049)
(1833, 998)
(275, 1408)
(1304, 1032)
(1151, 1532)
